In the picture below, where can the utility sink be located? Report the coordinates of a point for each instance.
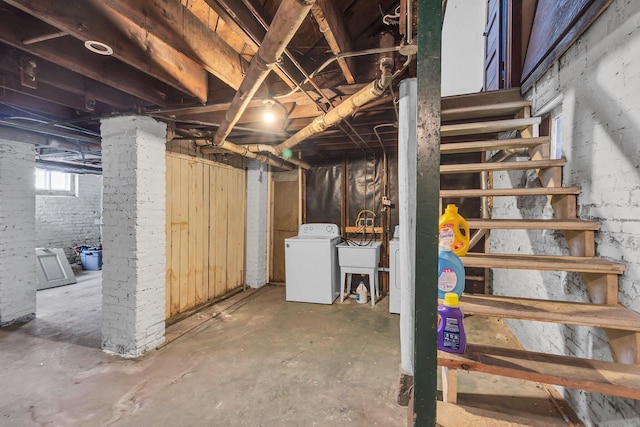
(359, 254)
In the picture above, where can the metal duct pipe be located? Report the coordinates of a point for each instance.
(286, 22)
(258, 148)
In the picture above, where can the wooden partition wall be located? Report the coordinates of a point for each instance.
(205, 232)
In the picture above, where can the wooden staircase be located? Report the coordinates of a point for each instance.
(473, 124)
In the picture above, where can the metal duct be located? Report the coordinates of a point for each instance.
(286, 22)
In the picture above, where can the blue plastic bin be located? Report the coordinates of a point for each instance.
(91, 260)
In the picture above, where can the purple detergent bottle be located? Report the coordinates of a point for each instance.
(451, 335)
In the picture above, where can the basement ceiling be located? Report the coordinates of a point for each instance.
(66, 65)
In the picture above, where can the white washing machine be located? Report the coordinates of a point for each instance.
(311, 264)
(394, 272)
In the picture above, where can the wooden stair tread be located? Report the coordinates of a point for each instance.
(491, 145)
(455, 415)
(500, 166)
(481, 98)
(482, 111)
(604, 377)
(499, 192)
(543, 262)
(493, 126)
(533, 224)
(568, 313)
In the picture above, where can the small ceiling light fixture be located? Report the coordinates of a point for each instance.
(268, 115)
(98, 47)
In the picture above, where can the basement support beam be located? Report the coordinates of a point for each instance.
(428, 189)
(133, 285)
(105, 70)
(180, 28)
(94, 20)
(333, 27)
(285, 24)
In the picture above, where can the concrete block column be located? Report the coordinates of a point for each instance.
(134, 241)
(256, 232)
(17, 232)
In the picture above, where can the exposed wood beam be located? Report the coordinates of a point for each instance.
(131, 43)
(239, 18)
(180, 28)
(69, 81)
(44, 92)
(43, 107)
(334, 29)
(113, 73)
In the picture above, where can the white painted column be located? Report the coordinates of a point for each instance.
(407, 168)
(17, 232)
(134, 241)
(256, 224)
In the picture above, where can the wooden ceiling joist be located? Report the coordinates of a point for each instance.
(59, 77)
(180, 28)
(37, 105)
(334, 29)
(112, 73)
(131, 43)
(235, 14)
(44, 92)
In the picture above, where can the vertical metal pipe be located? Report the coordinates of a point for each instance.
(428, 192)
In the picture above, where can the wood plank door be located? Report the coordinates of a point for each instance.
(492, 47)
(285, 196)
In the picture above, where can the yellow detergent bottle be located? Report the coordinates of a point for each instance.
(453, 220)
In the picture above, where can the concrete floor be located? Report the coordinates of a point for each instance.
(265, 362)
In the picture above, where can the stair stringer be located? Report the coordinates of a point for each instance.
(602, 289)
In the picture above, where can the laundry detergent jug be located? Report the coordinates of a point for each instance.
(450, 268)
(451, 334)
(453, 220)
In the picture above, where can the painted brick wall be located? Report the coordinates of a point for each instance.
(17, 236)
(599, 79)
(256, 224)
(68, 221)
(134, 238)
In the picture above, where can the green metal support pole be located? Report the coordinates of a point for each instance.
(427, 212)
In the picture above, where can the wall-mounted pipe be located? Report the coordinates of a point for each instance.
(286, 22)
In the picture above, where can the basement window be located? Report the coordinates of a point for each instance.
(54, 183)
(556, 136)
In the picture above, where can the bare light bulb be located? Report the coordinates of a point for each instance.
(268, 116)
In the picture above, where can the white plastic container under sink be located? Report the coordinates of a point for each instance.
(359, 255)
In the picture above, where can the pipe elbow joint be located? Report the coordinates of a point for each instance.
(318, 124)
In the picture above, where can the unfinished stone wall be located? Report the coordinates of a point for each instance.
(599, 79)
(68, 221)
